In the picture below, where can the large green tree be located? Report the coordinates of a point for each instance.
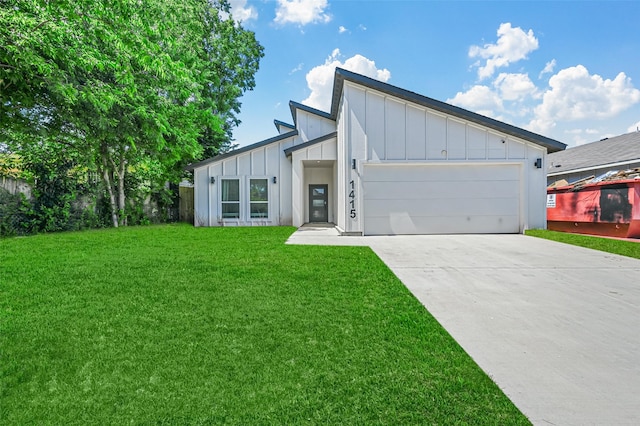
(120, 83)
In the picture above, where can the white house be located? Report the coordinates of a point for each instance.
(383, 161)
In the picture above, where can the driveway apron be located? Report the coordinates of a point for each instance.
(557, 327)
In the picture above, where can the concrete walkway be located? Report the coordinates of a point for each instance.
(556, 326)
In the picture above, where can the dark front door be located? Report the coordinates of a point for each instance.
(318, 203)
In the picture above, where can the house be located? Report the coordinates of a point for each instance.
(382, 161)
(595, 188)
(594, 159)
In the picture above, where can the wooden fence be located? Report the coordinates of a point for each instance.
(186, 204)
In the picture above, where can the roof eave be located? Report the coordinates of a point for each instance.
(265, 142)
(293, 105)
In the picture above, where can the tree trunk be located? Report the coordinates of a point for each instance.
(121, 196)
(107, 182)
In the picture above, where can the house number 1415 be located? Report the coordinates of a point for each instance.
(352, 199)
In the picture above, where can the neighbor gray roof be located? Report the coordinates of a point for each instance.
(341, 75)
(607, 152)
(241, 150)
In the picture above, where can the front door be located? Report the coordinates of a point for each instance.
(318, 203)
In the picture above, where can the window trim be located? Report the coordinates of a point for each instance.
(244, 182)
(248, 199)
(219, 180)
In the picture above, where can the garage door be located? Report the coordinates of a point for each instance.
(441, 199)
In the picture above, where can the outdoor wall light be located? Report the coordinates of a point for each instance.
(353, 163)
(538, 163)
(212, 180)
(275, 180)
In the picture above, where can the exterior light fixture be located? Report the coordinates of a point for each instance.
(353, 163)
(538, 163)
(212, 180)
(275, 180)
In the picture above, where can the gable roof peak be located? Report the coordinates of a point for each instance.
(341, 75)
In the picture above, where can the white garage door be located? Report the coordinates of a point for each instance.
(441, 199)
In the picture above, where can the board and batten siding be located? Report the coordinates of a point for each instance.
(380, 128)
(311, 126)
(266, 161)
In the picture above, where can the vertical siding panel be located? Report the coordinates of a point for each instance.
(201, 197)
(229, 167)
(497, 147)
(456, 139)
(416, 143)
(357, 121)
(537, 187)
(244, 164)
(375, 127)
(258, 162)
(516, 149)
(436, 136)
(395, 130)
(477, 143)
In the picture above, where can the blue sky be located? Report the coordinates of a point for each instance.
(569, 70)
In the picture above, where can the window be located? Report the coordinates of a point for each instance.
(258, 198)
(230, 198)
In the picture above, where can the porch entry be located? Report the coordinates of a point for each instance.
(318, 203)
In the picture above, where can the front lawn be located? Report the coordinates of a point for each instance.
(183, 325)
(610, 245)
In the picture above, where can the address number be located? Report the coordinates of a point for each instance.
(352, 200)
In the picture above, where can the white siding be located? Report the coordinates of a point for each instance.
(395, 131)
(436, 136)
(416, 133)
(375, 126)
(311, 126)
(265, 162)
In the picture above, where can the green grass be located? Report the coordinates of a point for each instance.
(183, 325)
(610, 245)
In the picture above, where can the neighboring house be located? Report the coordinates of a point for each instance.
(595, 159)
(382, 161)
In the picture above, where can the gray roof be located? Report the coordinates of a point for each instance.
(619, 149)
(278, 138)
(341, 75)
(293, 105)
(279, 124)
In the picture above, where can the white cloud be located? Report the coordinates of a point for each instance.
(302, 12)
(574, 131)
(574, 94)
(634, 127)
(241, 12)
(480, 99)
(514, 87)
(297, 68)
(513, 45)
(320, 78)
(342, 29)
(548, 68)
(362, 27)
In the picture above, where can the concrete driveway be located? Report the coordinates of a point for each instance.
(557, 327)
